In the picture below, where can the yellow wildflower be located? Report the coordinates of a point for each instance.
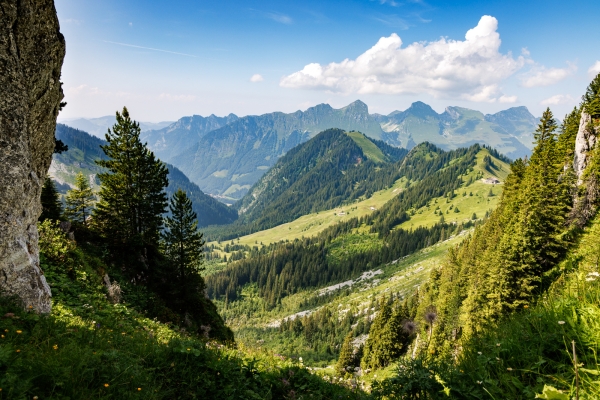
(19, 332)
(55, 347)
(106, 385)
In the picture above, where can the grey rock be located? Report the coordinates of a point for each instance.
(584, 142)
(32, 50)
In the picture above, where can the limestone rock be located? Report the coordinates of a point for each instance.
(585, 141)
(32, 50)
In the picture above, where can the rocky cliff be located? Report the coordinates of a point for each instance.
(585, 141)
(31, 55)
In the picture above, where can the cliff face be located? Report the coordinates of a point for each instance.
(585, 141)
(31, 56)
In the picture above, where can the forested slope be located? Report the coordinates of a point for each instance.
(320, 174)
(282, 269)
(512, 308)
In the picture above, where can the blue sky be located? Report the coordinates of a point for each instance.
(167, 59)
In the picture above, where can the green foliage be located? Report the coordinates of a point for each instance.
(321, 174)
(346, 360)
(90, 348)
(389, 335)
(182, 245)
(132, 197)
(80, 201)
(51, 205)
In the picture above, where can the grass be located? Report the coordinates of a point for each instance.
(312, 224)
(90, 348)
(369, 149)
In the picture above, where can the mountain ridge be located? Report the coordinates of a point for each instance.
(225, 156)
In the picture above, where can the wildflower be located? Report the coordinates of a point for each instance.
(18, 351)
(409, 327)
(139, 389)
(55, 347)
(479, 352)
(525, 306)
(498, 344)
(106, 385)
(479, 382)
(2, 336)
(35, 398)
(188, 349)
(509, 369)
(497, 359)
(561, 322)
(19, 332)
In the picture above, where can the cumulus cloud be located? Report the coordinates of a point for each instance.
(471, 69)
(541, 76)
(256, 78)
(557, 99)
(594, 69)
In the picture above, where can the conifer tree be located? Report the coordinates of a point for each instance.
(132, 195)
(346, 358)
(51, 205)
(372, 357)
(79, 200)
(182, 242)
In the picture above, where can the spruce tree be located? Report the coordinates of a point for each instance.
(182, 242)
(80, 200)
(51, 205)
(346, 358)
(132, 195)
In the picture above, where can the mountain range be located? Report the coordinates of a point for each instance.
(225, 156)
(83, 151)
(98, 126)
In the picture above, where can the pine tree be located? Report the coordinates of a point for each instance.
(79, 200)
(372, 357)
(346, 358)
(132, 195)
(182, 242)
(51, 205)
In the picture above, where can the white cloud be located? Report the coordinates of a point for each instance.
(507, 99)
(557, 99)
(256, 78)
(471, 69)
(542, 76)
(594, 69)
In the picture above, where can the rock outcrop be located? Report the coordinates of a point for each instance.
(32, 50)
(585, 141)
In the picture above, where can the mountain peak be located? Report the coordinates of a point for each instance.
(420, 109)
(357, 106)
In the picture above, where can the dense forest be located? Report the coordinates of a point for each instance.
(513, 310)
(283, 269)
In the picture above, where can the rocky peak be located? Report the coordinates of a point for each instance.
(31, 56)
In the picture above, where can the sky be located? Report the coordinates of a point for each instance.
(169, 59)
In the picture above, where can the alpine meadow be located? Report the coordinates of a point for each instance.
(319, 200)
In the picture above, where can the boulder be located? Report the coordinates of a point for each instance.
(32, 50)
